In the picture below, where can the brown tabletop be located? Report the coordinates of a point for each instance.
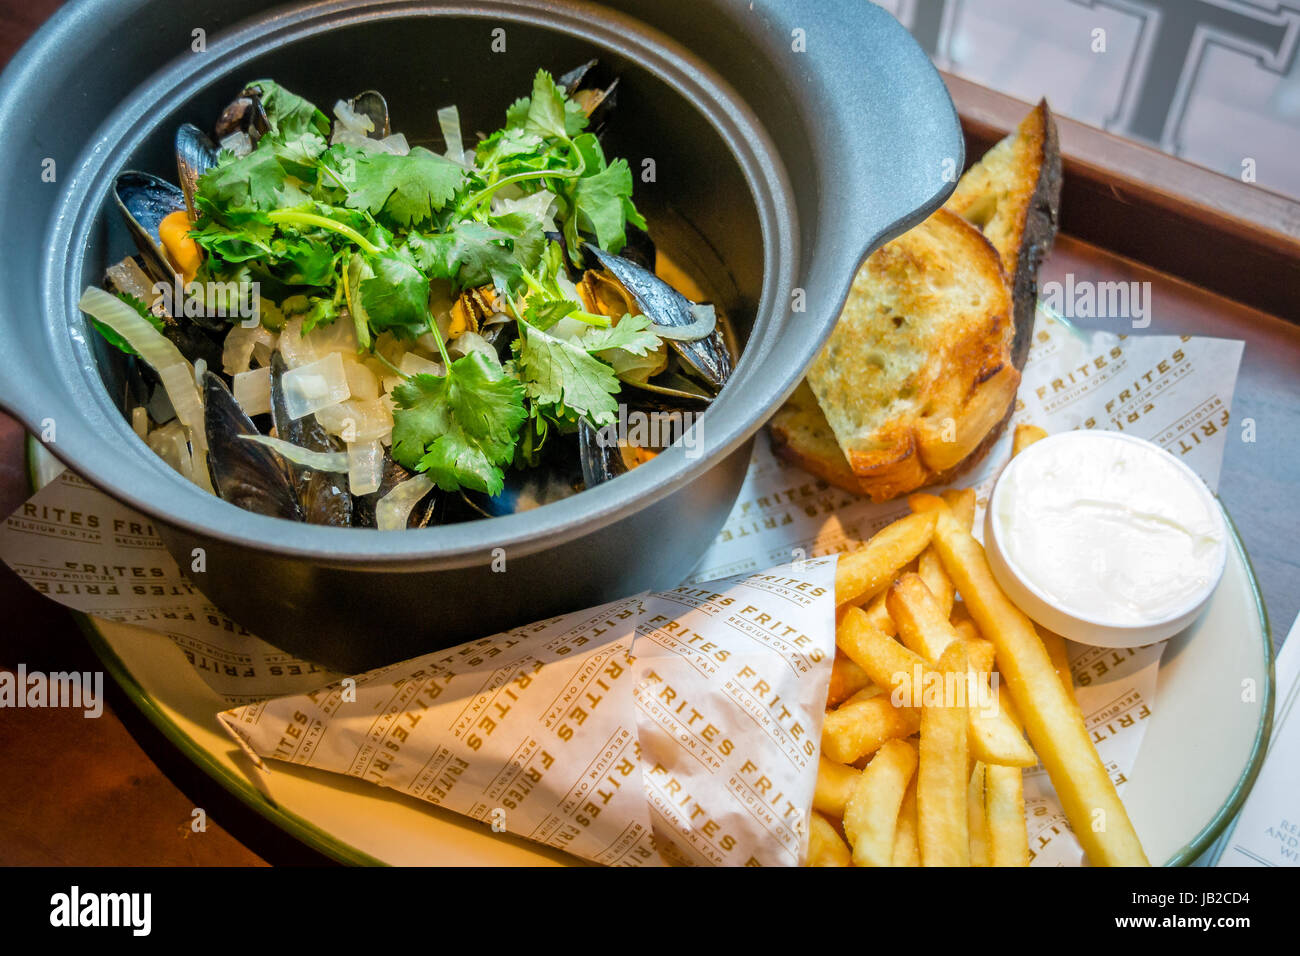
(115, 791)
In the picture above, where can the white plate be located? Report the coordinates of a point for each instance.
(1203, 746)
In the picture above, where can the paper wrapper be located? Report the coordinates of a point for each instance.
(94, 555)
(679, 727)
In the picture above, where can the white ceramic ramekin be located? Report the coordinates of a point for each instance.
(1077, 625)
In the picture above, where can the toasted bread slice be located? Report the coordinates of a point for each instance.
(1013, 194)
(918, 369)
(801, 435)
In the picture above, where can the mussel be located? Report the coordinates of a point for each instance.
(245, 473)
(595, 89)
(323, 495)
(707, 359)
(246, 115)
(145, 201)
(374, 107)
(196, 153)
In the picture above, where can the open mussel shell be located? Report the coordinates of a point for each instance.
(246, 115)
(324, 495)
(245, 473)
(602, 457)
(707, 358)
(196, 153)
(595, 89)
(372, 105)
(145, 201)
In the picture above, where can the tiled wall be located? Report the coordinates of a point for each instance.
(1216, 82)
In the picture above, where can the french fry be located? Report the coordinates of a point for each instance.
(856, 730)
(922, 625)
(967, 630)
(1004, 797)
(871, 814)
(975, 817)
(942, 776)
(860, 574)
(1052, 720)
(834, 785)
(878, 614)
(1025, 435)
(847, 678)
(887, 662)
(906, 852)
(923, 628)
(961, 502)
(930, 569)
(1055, 645)
(871, 690)
(825, 848)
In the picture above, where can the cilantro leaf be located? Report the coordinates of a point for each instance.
(405, 190)
(632, 334)
(559, 375)
(459, 428)
(396, 297)
(255, 181)
(543, 313)
(288, 113)
(546, 107)
(477, 253)
(599, 204)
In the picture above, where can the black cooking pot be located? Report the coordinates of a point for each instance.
(789, 139)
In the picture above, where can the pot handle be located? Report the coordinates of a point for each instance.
(881, 126)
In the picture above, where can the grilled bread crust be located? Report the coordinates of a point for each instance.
(1013, 194)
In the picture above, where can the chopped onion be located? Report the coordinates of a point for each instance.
(140, 421)
(315, 460)
(350, 119)
(362, 383)
(294, 348)
(200, 369)
(449, 123)
(238, 142)
(365, 467)
(706, 320)
(394, 509)
(170, 444)
(355, 421)
(468, 342)
(165, 359)
(413, 364)
(315, 386)
(160, 406)
(238, 349)
(396, 144)
(253, 391)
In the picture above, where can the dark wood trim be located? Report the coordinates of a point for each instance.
(1239, 240)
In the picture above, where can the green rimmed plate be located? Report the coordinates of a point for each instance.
(1203, 746)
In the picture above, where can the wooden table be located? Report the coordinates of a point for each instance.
(114, 791)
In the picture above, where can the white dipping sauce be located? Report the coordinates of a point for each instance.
(1111, 529)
